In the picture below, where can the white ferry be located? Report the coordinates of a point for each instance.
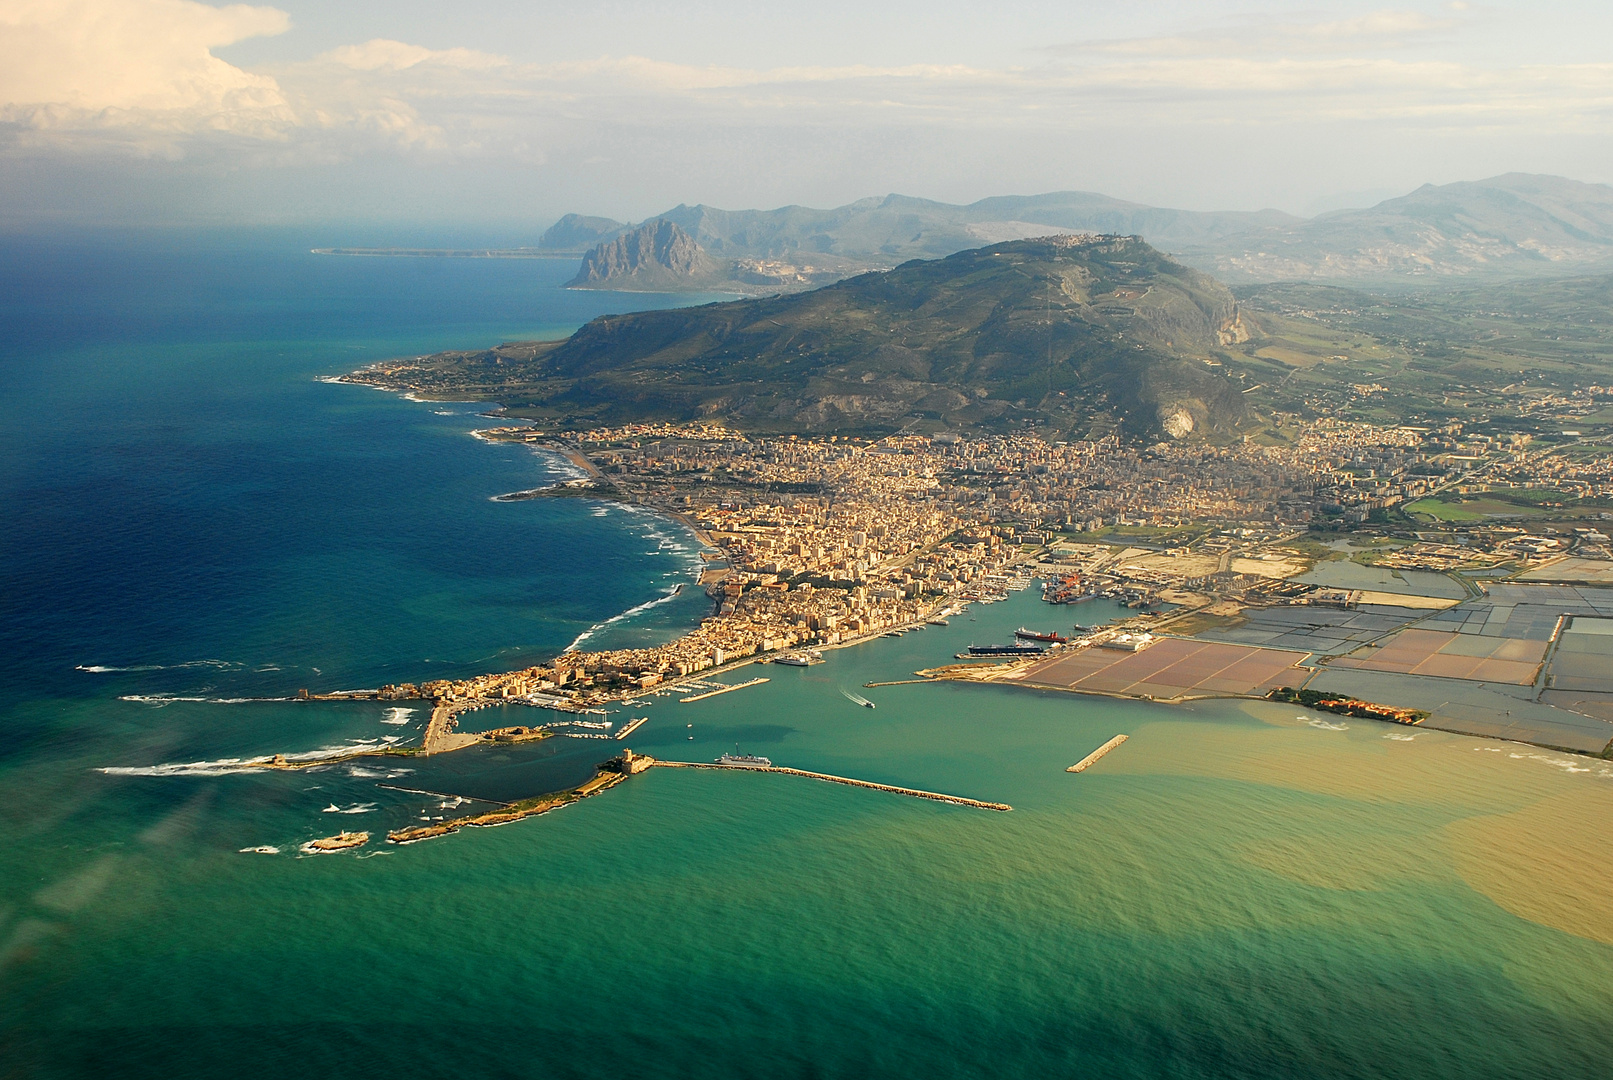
(745, 759)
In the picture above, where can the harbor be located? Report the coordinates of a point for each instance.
(612, 772)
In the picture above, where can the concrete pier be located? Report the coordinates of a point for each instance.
(1092, 759)
(723, 690)
(440, 734)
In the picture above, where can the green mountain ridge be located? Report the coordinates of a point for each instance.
(1079, 336)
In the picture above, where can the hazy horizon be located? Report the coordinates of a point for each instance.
(150, 112)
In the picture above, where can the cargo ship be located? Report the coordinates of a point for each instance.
(1016, 649)
(1038, 635)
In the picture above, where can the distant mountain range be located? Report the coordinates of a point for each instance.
(1076, 335)
(1511, 226)
(1508, 226)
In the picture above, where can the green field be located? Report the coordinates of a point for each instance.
(1470, 355)
(1470, 509)
(1181, 535)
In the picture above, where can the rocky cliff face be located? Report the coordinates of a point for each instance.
(654, 254)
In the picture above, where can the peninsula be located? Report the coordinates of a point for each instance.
(880, 453)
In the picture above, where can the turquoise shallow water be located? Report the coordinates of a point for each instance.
(1236, 892)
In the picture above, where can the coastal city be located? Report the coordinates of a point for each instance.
(720, 540)
(815, 543)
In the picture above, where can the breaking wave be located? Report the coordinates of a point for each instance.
(638, 609)
(226, 766)
(361, 773)
(356, 808)
(101, 669)
(160, 700)
(1566, 764)
(665, 544)
(221, 767)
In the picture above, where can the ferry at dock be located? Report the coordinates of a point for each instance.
(804, 658)
(745, 759)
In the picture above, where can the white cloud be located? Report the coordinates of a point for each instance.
(140, 74)
(1373, 32)
(68, 64)
(381, 54)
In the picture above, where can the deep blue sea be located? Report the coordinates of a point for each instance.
(189, 517)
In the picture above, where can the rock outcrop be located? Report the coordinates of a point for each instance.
(656, 254)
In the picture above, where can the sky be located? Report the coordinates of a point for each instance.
(497, 116)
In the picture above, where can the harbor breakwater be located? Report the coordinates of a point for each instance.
(956, 800)
(616, 770)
